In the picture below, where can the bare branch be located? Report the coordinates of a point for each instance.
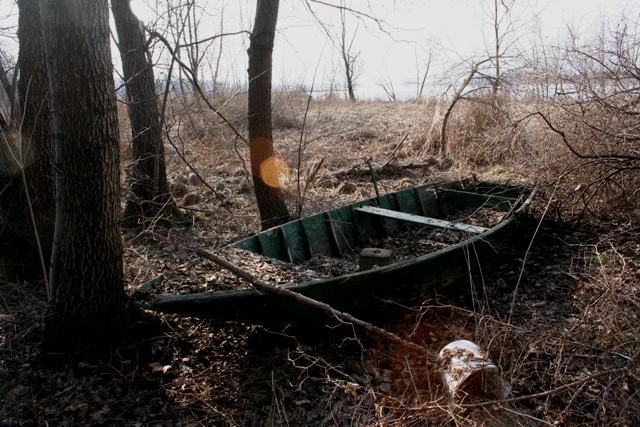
(197, 86)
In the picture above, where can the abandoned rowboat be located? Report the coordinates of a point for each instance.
(381, 286)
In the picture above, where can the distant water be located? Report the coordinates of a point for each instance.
(409, 91)
(375, 91)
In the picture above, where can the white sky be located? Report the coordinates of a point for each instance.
(449, 29)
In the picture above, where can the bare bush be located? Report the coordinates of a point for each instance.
(596, 113)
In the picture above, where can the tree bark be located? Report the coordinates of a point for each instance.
(37, 135)
(19, 246)
(4, 80)
(88, 305)
(264, 164)
(148, 177)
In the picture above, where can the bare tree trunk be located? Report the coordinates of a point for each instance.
(148, 178)
(264, 165)
(193, 51)
(349, 74)
(4, 79)
(37, 133)
(441, 148)
(496, 33)
(347, 58)
(88, 305)
(34, 154)
(342, 44)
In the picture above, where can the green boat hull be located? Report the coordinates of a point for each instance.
(373, 295)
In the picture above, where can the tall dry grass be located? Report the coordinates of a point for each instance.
(521, 138)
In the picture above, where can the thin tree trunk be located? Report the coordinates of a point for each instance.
(22, 236)
(37, 133)
(264, 165)
(148, 178)
(349, 73)
(4, 79)
(496, 31)
(88, 305)
(348, 61)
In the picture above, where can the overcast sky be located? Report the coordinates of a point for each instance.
(448, 29)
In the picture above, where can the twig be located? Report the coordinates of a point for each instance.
(325, 308)
(301, 193)
(311, 175)
(545, 393)
(514, 205)
(196, 84)
(219, 196)
(609, 156)
(531, 417)
(458, 95)
(395, 150)
(526, 255)
(469, 313)
(208, 39)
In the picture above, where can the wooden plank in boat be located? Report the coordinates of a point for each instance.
(420, 220)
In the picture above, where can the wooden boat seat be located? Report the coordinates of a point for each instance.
(420, 220)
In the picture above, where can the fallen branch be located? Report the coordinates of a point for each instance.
(303, 299)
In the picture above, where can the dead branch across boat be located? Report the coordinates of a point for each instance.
(303, 299)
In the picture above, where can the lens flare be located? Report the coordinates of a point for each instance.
(274, 172)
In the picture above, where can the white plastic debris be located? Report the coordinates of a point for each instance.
(468, 371)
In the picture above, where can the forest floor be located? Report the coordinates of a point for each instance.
(558, 315)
